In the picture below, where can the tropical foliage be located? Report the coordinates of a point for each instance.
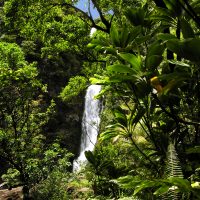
(146, 56)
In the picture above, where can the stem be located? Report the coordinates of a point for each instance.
(142, 153)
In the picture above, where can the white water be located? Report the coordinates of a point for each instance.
(90, 125)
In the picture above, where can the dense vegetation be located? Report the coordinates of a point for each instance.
(146, 56)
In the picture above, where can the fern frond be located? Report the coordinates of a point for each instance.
(173, 167)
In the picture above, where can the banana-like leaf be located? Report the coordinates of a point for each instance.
(135, 16)
(182, 184)
(119, 68)
(186, 29)
(154, 55)
(120, 117)
(162, 190)
(142, 39)
(188, 48)
(174, 6)
(124, 37)
(135, 61)
(146, 184)
(114, 34)
(99, 80)
(135, 118)
(166, 36)
(128, 182)
(90, 157)
(110, 134)
(193, 150)
(156, 49)
(180, 63)
(152, 62)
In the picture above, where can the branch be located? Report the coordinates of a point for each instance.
(86, 16)
(143, 154)
(103, 19)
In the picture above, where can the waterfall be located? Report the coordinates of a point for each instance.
(90, 124)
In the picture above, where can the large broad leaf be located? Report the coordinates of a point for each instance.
(162, 190)
(174, 80)
(152, 62)
(100, 80)
(167, 19)
(146, 184)
(193, 150)
(156, 49)
(114, 34)
(180, 63)
(188, 48)
(135, 61)
(164, 15)
(182, 184)
(166, 36)
(98, 42)
(113, 131)
(108, 50)
(186, 29)
(119, 68)
(124, 36)
(174, 6)
(154, 55)
(142, 39)
(120, 117)
(135, 16)
(90, 157)
(128, 182)
(135, 118)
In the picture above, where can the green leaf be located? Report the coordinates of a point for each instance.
(152, 62)
(186, 29)
(90, 157)
(132, 59)
(109, 50)
(166, 36)
(167, 19)
(174, 6)
(120, 117)
(162, 190)
(156, 49)
(124, 37)
(135, 16)
(121, 69)
(109, 134)
(145, 184)
(180, 63)
(136, 118)
(91, 45)
(142, 39)
(114, 34)
(154, 55)
(195, 150)
(182, 184)
(188, 48)
(128, 182)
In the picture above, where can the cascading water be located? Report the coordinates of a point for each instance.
(90, 124)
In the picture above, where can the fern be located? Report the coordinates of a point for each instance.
(173, 170)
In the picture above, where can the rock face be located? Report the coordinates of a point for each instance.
(65, 124)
